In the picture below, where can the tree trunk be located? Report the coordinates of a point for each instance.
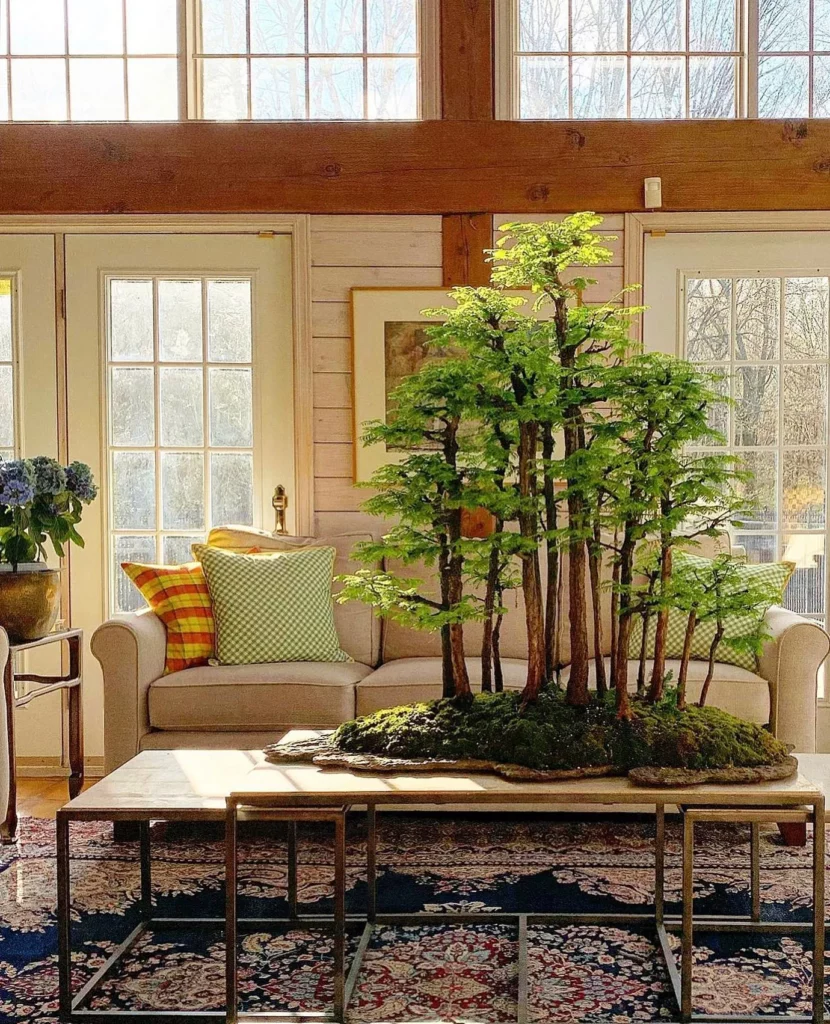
(641, 670)
(552, 558)
(691, 625)
(615, 608)
(447, 677)
(455, 594)
(531, 576)
(658, 672)
(595, 570)
(704, 693)
(489, 606)
(497, 669)
(624, 626)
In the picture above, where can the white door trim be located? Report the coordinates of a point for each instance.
(298, 226)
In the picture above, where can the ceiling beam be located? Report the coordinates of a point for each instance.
(417, 167)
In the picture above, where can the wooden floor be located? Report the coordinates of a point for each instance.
(41, 798)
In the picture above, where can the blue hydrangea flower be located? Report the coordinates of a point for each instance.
(17, 483)
(79, 481)
(50, 476)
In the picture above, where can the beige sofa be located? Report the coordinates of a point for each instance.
(249, 706)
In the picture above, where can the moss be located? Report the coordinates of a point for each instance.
(551, 735)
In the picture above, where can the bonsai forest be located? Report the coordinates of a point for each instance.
(596, 471)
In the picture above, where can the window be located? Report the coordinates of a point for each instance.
(768, 335)
(180, 433)
(89, 60)
(298, 59)
(8, 384)
(666, 58)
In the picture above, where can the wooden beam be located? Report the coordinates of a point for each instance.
(467, 59)
(416, 167)
(465, 237)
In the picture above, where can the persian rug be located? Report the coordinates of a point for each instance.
(436, 973)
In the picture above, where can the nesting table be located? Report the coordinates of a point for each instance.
(237, 786)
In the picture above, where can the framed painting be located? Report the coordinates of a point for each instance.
(389, 342)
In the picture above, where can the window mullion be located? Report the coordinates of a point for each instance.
(749, 62)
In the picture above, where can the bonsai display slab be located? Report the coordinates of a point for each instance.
(318, 750)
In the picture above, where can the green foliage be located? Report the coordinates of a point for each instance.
(552, 735)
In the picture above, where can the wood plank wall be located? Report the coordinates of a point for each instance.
(365, 251)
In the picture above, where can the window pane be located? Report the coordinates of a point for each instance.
(5, 320)
(335, 26)
(755, 389)
(718, 412)
(95, 26)
(805, 593)
(133, 491)
(759, 547)
(230, 408)
(821, 24)
(783, 86)
(821, 86)
(335, 88)
(393, 88)
(231, 489)
(4, 90)
(182, 491)
(96, 89)
(544, 87)
(712, 25)
(708, 316)
(132, 406)
(223, 26)
(126, 597)
(543, 25)
(278, 26)
(784, 24)
(805, 317)
(657, 87)
(599, 26)
(37, 26)
(39, 90)
(180, 321)
(758, 318)
(153, 85)
(225, 86)
(4, 27)
(392, 26)
(278, 88)
(181, 407)
(229, 321)
(131, 321)
(712, 87)
(760, 492)
(6, 407)
(657, 24)
(803, 482)
(805, 404)
(177, 550)
(152, 26)
(599, 87)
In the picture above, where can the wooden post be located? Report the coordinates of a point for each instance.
(467, 60)
(466, 236)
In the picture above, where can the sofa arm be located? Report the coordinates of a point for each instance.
(790, 662)
(131, 650)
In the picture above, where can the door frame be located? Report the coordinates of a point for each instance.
(297, 226)
(638, 225)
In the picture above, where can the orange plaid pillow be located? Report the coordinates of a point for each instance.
(179, 595)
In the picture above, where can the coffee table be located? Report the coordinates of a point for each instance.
(238, 785)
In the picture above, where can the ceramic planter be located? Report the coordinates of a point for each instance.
(29, 601)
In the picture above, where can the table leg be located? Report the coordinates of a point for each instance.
(146, 871)
(659, 863)
(755, 869)
(339, 917)
(231, 998)
(64, 917)
(292, 869)
(687, 935)
(372, 864)
(818, 910)
(8, 822)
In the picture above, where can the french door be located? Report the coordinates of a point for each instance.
(180, 397)
(755, 306)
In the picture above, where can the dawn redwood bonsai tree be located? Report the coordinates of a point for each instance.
(582, 450)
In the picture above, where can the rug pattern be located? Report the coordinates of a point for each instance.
(446, 973)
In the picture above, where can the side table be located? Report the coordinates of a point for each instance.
(72, 708)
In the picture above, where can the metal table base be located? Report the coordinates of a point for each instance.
(74, 1008)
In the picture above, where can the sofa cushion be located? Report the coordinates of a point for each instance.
(311, 694)
(410, 680)
(733, 689)
(357, 625)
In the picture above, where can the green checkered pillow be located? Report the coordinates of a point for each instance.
(274, 607)
(775, 575)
